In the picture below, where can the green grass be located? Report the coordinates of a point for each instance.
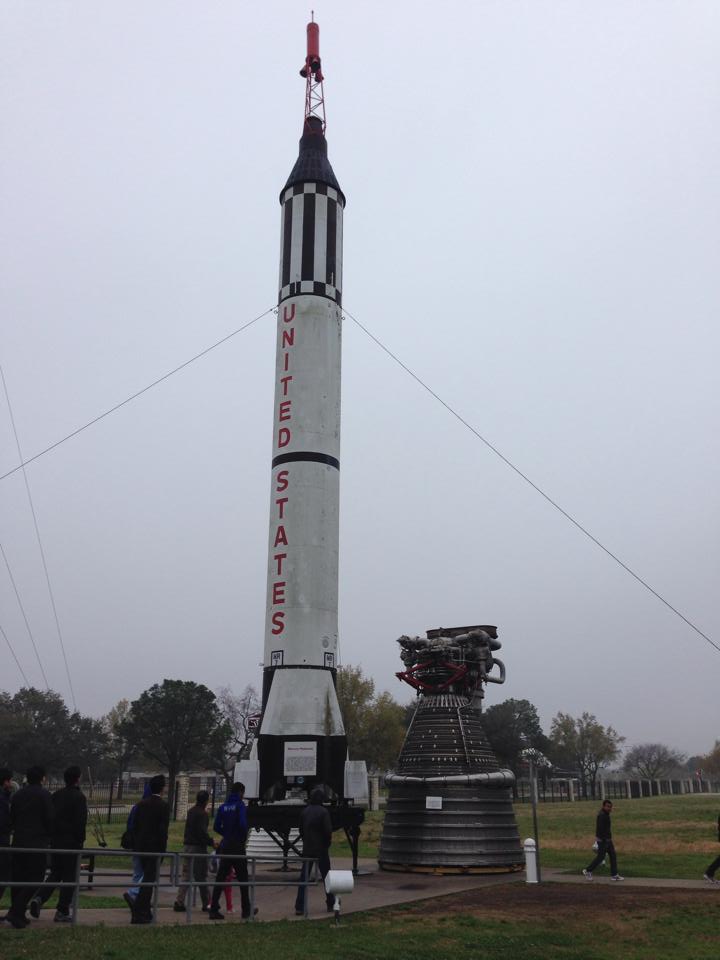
(682, 933)
(674, 837)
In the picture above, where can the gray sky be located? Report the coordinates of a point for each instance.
(532, 226)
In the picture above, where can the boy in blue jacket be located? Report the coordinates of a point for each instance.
(231, 824)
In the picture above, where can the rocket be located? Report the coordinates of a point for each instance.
(301, 742)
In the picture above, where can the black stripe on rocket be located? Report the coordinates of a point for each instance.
(311, 242)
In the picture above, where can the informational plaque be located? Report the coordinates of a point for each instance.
(356, 781)
(433, 803)
(300, 758)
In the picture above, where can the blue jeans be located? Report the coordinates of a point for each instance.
(137, 876)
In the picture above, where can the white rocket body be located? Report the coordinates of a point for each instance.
(302, 738)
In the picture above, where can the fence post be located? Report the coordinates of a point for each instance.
(76, 889)
(110, 801)
(252, 890)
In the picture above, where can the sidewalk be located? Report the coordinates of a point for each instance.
(552, 875)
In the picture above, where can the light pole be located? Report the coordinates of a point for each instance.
(530, 755)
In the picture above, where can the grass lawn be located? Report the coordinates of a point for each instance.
(674, 837)
(568, 922)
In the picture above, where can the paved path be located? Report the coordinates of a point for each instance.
(558, 876)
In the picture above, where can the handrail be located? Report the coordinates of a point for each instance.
(174, 874)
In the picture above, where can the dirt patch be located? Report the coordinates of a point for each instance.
(613, 906)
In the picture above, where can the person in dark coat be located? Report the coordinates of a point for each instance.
(31, 820)
(231, 824)
(150, 834)
(709, 874)
(130, 895)
(196, 839)
(316, 834)
(605, 845)
(69, 828)
(5, 794)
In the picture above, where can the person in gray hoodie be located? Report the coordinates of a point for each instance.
(316, 834)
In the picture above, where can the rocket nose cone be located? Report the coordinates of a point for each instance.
(314, 125)
(312, 163)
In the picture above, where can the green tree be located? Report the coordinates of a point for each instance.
(36, 727)
(652, 761)
(173, 723)
(511, 727)
(374, 725)
(710, 764)
(585, 745)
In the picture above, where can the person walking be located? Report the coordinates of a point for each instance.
(709, 874)
(150, 834)
(5, 794)
(196, 839)
(231, 824)
(316, 835)
(130, 894)
(31, 821)
(69, 826)
(605, 845)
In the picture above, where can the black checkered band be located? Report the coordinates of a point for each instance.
(311, 242)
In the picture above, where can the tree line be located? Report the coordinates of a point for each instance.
(178, 725)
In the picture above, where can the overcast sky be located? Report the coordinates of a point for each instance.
(532, 226)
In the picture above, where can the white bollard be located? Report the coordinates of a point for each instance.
(531, 871)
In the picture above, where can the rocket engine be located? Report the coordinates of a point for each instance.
(449, 807)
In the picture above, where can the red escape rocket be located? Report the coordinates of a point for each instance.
(302, 740)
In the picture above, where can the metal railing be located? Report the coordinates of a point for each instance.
(174, 875)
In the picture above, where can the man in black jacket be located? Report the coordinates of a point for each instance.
(150, 833)
(195, 840)
(31, 819)
(605, 845)
(70, 808)
(5, 794)
(316, 834)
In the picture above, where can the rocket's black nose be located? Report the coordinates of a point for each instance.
(312, 164)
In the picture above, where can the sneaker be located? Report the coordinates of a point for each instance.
(62, 917)
(246, 916)
(35, 907)
(299, 913)
(179, 907)
(617, 877)
(205, 908)
(706, 876)
(587, 875)
(215, 915)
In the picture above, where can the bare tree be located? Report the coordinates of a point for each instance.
(120, 750)
(584, 743)
(652, 761)
(238, 712)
